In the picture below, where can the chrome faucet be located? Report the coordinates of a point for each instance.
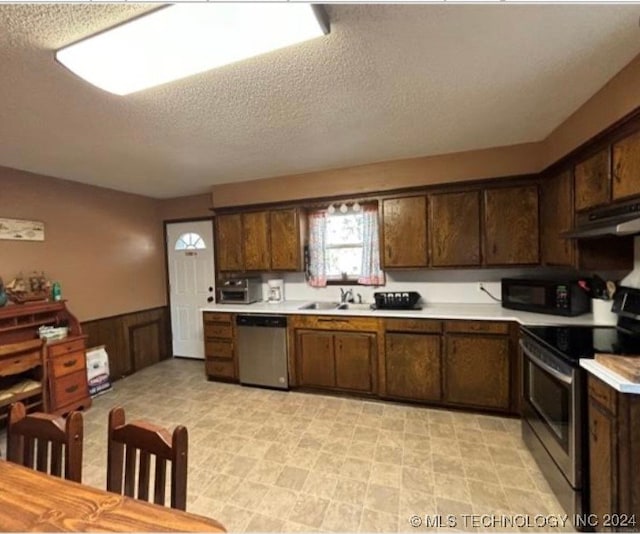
(346, 295)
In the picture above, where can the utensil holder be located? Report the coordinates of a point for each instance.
(602, 314)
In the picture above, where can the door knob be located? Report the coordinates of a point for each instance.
(210, 289)
(209, 299)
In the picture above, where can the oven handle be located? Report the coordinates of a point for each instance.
(556, 374)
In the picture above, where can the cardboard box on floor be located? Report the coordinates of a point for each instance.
(98, 370)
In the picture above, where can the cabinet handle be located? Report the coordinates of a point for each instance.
(71, 389)
(321, 320)
(594, 430)
(69, 363)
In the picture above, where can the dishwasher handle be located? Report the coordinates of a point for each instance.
(268, 321)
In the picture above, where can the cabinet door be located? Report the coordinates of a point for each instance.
(626, 167)
(455, 229)
(404, 232)
(285, 240)
(593, 181)
(602, 462)
(255, 227)
(477, 371)
(316, 365)
(354, 361)
(556, 209)
(229, 242)
(413, 366)
(511, 226)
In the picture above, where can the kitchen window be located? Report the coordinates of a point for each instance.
(344, 246)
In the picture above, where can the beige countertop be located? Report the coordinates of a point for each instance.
(474, 312)
(617, 382)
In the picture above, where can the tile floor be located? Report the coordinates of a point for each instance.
(262, 460)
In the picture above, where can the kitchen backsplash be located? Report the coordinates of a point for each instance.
(454, 286)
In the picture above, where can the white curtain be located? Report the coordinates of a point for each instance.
(372, 274)
(317, 255)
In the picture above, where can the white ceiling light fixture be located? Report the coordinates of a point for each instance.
(185, 39)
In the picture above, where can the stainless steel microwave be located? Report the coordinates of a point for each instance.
(556, 297)
(240, 291)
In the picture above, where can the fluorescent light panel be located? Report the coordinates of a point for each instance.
(186, 39)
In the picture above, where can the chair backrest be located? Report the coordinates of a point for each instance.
(123, 460)
(42, 441)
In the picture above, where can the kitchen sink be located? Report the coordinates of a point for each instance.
(353, 306)
(320, 306)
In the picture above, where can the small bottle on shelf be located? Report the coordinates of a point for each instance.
(56, 292)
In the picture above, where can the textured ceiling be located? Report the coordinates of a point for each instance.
(389, 82)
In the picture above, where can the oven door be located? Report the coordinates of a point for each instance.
(550, 392)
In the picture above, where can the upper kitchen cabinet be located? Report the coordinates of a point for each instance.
(593, 181)
(556, 211)
(626, 167)
(229, 242)
(511, 225)
(404, 232)
(454, 228)
(256, 243)
(286, 240)
(260, 241)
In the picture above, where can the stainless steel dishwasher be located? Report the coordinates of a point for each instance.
(262, 350)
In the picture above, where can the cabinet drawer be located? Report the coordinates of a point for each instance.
(218, 330)
(218, 349)
(602, 394)
(220, 369)
(332, 322)
(217, 318)
(19, 363)
(485, 327)
(70, 388)
(412, 325)
(69, 363)
(65, 347)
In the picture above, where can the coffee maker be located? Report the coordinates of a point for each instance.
(275, 291)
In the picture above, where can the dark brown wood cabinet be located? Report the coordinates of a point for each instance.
(219, 346)
(556, 217)
(229, 242)
(354, 361)
(454, 229)
(333, 353)
(477, 371)
(511, 226)
(412, 367)
(404, 232)
(256, 242)
(614, 448)
(285, 240)
(626, 167)
(593, 181)
(316, 359)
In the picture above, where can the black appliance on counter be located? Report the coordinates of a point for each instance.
(397, 300)
(554, 395)
(556, 297)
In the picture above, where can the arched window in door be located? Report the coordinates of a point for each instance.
(190, 241)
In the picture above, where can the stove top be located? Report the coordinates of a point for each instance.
(575, 342)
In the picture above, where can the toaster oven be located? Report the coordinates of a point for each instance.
(239, 291)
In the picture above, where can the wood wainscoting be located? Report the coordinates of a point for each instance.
(133, 340)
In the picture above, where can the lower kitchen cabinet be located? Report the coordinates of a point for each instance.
(219, 346)
(336, 360)
(477, 371)
(316, 360)
(412, 366)
(614, 447)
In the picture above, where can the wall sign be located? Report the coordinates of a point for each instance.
(21, 229)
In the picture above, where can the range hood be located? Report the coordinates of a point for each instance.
(621, 220)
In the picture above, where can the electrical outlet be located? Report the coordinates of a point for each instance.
(480, 286)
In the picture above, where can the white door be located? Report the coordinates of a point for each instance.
(191, 283)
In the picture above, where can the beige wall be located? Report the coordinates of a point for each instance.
(104, 247)
(617, 98)
(190, 207)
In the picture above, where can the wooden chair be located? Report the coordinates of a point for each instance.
(149, 440)
(29, 438)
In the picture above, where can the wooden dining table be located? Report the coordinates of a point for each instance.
(34, 501)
